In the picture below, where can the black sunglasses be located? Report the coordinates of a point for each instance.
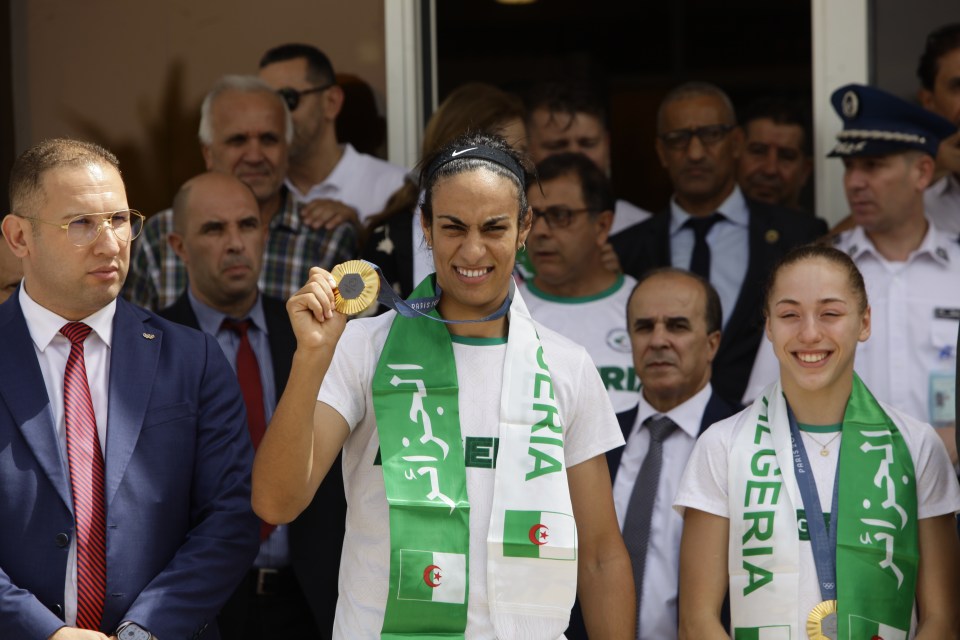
(292, 96)
(557, 216)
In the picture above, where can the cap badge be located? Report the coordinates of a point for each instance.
(850, 104)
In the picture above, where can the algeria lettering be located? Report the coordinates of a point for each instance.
(546, 434)
(760, 499)
(888, 518)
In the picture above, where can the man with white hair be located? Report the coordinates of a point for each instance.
(245, 130)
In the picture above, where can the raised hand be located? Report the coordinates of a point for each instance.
(316, 323)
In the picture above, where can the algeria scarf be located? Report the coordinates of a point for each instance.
(877, 545)
(531, 547)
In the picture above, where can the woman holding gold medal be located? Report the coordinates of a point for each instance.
(473, 439)
(826, 513)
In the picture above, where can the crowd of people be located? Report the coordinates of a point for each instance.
(564, 416)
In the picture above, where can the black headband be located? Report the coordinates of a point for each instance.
(496, 156)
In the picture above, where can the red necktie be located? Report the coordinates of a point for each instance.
(86, 481)
(248, 372)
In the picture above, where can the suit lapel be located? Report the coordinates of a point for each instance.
(25, 395)
(133, 366)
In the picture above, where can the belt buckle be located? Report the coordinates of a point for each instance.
(266, 582)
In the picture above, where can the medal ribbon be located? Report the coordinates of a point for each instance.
(822, 542)
(420, 307)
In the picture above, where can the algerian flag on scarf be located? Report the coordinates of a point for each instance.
(433, 577)
(762, 633)
(864, 628)
(416, 401)
(876, 519)
(539, 534)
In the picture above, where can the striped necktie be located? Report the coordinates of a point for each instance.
(86, 481)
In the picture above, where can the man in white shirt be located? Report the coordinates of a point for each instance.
(572, 292)
(338, 183)
(911, 268)
(673, 317)
(939, 73)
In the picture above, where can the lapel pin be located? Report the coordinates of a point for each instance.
(771, 236)
(149, 336)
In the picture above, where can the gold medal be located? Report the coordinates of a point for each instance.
(822, 621)
(357, 286)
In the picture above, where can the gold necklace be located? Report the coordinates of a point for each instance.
(823, 445)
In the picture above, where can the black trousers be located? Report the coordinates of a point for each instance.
(268, 605)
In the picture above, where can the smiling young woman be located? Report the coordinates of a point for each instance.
(824, 511)
(478, 495)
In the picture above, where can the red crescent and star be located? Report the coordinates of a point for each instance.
(431, 576)
(538, 534)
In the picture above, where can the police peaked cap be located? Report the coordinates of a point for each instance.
(877, 123)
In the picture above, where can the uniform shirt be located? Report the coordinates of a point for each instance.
(599, 324)
(275, 550)
(658, 606)
(52, 351)
(157, 275)
(910, 359)
(942, 203)
(729, 242)
(360, 181)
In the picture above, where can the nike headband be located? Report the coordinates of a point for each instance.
(490, 154)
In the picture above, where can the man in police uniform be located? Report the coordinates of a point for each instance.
(911, 269)
(572, 292)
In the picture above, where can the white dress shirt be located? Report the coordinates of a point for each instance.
(52, 351)
(941, 201)
(360, 181)
(729, 241)
(658, 609)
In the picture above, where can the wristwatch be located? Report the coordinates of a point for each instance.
(132, 631)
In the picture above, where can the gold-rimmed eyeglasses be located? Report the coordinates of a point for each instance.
(84, 229)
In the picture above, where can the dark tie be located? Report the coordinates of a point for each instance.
(85, 459)
(248, 372)
(636, 524)
(700, 260)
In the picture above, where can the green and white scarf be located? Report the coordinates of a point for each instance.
(531, 542)
(877, 547)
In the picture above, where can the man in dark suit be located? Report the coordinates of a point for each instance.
(711, 228)
(124, 462)
(291, 589)
(673, 319)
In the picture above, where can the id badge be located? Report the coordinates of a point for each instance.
(943, 388)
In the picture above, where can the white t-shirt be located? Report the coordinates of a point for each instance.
(361, 181)
(590, 429)
(704, 483)
(599, 323)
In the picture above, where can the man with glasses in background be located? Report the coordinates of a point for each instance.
(572, 292)
(126, 460)
(710, 227)
(335, 182)
(245, 130)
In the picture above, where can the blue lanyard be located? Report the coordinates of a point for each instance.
(822, 542)
(421, 307)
